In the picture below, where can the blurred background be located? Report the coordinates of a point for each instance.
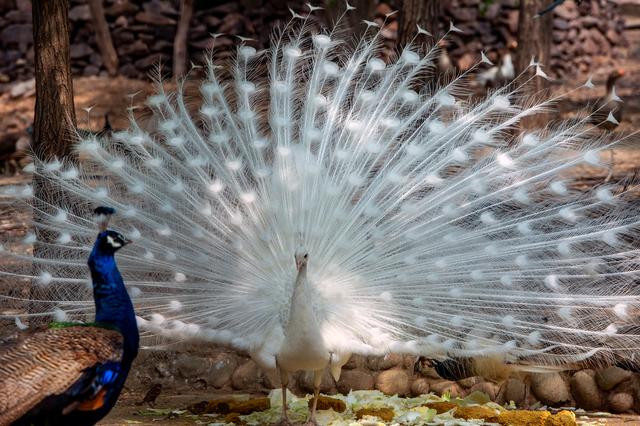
(117, 44)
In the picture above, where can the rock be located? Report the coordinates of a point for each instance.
(80, 50)
(18, 17)
(148, 61)
(96, 59)
(247, 377)
(162, 369)
(128, 70)
(122, 7)
(550, 388)
(24, 88)
(191, 366)
(20, 34)
(469, 381)
(464, 14)
(393, 382)
(137, 48)
(91, 70)
(385, 362)
(560, 24)
(447, 386)
(212, 21)
(122, 21)
(611, 377)
(23, 5)
(354, 380)
(585, 390)
(155, 19)
(566, 11)
(305, 382)
(620, 402)
(488, 388)
(233, 23)
(466, 61)
(613, 36)
(221, 370)
(80, 13)
(161, 6)
(514, 390)
(420, 386)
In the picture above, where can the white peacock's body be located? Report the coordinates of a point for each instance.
(433, 225)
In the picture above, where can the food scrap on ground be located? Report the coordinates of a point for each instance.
(368, 408)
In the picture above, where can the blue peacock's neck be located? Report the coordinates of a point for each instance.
(113, 304)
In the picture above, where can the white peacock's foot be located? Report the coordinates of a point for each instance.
(284, 421)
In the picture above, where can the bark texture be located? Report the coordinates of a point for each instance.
(180, 41)
(418, 12)
(103, 37)
(534, 40)
(55, 117)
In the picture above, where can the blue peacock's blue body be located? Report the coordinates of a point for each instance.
(114, 309)
(97, 387)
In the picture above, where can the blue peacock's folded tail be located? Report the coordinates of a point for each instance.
(434, 224)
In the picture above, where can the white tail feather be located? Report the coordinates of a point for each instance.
(430, 228)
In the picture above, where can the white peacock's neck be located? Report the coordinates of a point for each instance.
(301, 315)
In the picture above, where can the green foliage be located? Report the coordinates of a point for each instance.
(64, 324)
(484, 6)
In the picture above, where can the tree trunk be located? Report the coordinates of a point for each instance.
(103, 37)
(534, 40)
(180, 42)
(418, 12)
(55, 117)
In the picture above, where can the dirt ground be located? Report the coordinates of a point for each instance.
(128, 413)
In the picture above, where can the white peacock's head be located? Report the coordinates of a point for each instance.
(302, 257)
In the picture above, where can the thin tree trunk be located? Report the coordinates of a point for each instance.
(534, 41)
(418, 12)
(180, 42)
(55, 117)
(103, 37)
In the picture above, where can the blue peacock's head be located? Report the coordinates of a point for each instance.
(110, 241)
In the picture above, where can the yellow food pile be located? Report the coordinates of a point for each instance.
(361, 408)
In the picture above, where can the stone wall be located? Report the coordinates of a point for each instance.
(219, 370)
(584, 36)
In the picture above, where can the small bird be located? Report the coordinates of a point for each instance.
(73, 373)
(152, 394)
(454, 369)
(607, 111)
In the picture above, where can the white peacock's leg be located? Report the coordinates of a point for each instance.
(284, 380)
(317, 379)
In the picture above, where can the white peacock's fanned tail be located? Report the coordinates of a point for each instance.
(433, 224)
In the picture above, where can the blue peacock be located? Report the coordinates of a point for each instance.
(318, 202)
(72, 374)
